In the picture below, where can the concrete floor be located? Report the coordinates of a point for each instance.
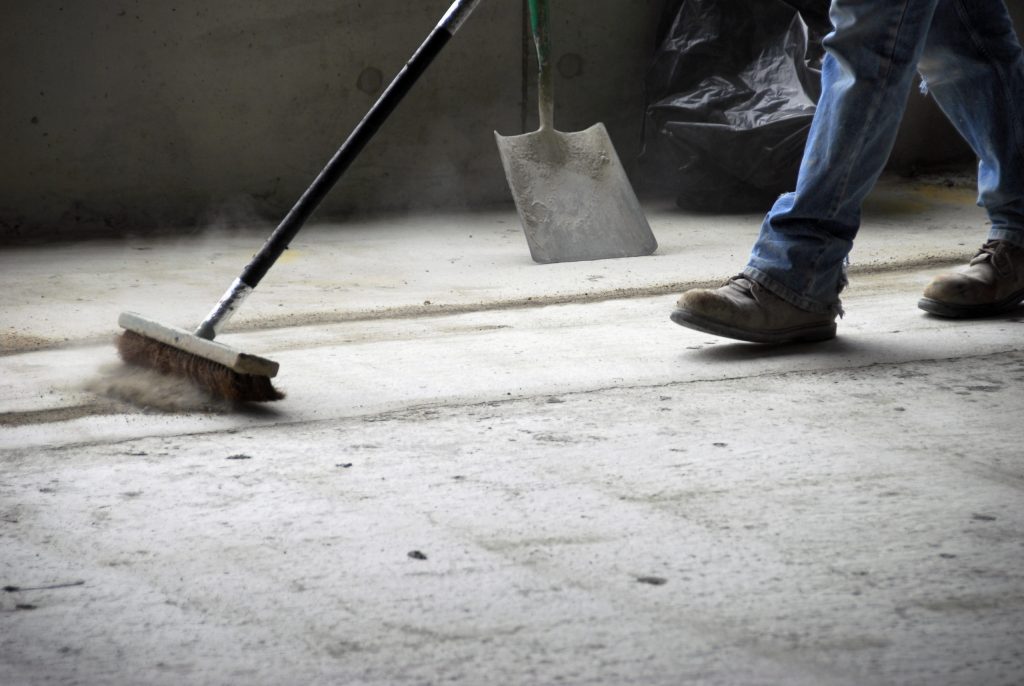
(490, 470)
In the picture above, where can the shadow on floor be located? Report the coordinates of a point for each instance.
(842, 345)
(738, 351)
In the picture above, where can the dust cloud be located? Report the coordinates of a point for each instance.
(151, 390)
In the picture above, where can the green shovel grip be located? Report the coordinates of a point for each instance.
(539, 23)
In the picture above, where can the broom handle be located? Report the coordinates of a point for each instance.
(539, 23)
(282, 236)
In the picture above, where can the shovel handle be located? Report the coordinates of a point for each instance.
(539, 24)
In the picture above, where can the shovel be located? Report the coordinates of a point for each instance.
(572, 194)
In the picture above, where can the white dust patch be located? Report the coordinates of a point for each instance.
(151, 390)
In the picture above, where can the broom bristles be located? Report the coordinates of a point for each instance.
(211, 376)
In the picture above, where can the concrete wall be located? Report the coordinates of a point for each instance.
(126, 115)
(155, 113)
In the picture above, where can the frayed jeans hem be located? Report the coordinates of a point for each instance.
(790, 296)
(1012, 236)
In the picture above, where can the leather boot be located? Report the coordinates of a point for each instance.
(744, 310)
(991, 284)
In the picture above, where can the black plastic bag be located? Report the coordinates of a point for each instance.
(731, 93)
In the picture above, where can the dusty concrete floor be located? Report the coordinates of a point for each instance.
(537, 478)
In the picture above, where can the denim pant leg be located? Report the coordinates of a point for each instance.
(869, 69)
(974, 67)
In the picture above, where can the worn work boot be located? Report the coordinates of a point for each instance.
(992, 283)
(743, 310)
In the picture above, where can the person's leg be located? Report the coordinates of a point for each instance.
(797, 265)
(868, 74)
(974, 67)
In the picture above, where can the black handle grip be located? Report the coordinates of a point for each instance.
(282, 236)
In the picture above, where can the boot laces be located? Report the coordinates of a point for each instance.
(996, 253)
(744, 285)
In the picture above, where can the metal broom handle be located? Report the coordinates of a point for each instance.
(282, 236)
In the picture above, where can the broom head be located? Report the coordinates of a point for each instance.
(220, 370)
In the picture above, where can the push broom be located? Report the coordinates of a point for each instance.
(218, 368)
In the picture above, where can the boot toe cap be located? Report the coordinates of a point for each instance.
(955, 288)
(707, 303)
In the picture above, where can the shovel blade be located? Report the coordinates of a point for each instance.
(573, 196)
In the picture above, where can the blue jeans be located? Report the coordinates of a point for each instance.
(971, 62)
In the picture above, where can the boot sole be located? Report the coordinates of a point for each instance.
(799, 334)
(953, 310)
